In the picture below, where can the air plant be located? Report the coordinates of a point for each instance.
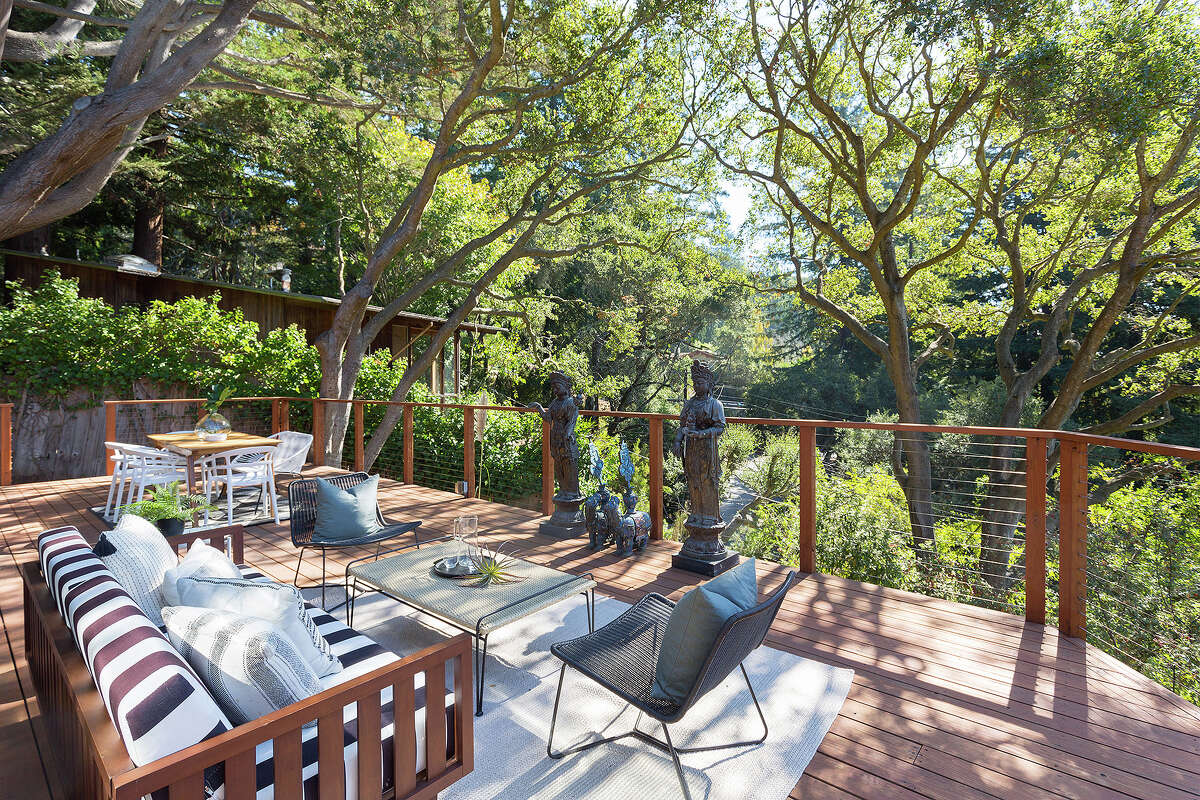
(493, 565)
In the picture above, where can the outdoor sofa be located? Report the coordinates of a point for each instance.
(374, 733)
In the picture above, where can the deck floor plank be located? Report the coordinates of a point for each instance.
(948, 701)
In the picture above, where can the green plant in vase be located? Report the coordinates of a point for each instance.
(169, 508)
(213, 427)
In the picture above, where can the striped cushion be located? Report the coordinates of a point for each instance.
(249, 666)
(280, 604)
(358, 655)
(155, 700)
(140, 562)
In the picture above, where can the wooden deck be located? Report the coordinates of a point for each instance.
(948, 701)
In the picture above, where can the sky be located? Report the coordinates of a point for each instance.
(735, 202)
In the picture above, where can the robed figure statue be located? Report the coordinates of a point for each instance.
(564, 448)
(701, 424)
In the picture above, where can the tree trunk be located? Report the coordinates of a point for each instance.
(148, 218)
(910, 463)
(6, 7)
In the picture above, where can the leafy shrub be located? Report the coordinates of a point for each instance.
(861, 524)
(738, 445)
(54, 342)
(775, 473)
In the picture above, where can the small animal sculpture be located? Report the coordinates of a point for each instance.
(635, 525)
(596, 507)
(613, 521)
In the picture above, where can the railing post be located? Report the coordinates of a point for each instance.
(469, 450)
(656, 478)
(279, 412)
(318, 432)
(359, 455)
(6, 444)
(807, 493)
(285, 415)
(1072, 539)
(547, 471)
(1035, 529)
(408, 443)
(110, 434)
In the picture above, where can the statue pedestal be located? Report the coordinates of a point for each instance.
(567, 520)
(703, 552)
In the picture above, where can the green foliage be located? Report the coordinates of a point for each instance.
(216, 398)
(168, 502)
(54, 343)
(1144, 577)
(776, 472)
(861, 523)
(737, 445)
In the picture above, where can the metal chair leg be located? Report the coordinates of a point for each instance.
(299, 561)
(586, 745)
(562, 673)
(675, 757)
(664, 744)
(748, 743)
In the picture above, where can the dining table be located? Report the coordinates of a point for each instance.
(192, 447)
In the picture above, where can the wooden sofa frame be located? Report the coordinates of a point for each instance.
(87, 753)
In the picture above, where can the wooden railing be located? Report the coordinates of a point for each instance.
(1070, 449)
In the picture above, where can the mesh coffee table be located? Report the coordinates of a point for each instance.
(408, 577)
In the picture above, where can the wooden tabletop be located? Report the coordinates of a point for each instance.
(189, 444)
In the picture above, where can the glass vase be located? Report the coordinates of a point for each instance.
(212, 427)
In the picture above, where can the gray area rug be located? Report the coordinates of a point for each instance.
(247, 510)
(801, 698)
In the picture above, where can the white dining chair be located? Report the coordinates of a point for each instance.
(287, 457)
(136, 468)
(225, 470)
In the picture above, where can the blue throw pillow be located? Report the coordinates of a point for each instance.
(739, 585)
(693, 627)
(346, 513)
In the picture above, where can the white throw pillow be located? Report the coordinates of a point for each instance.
(249, 667)
(203, 561)
(139, 561)
(277, 603)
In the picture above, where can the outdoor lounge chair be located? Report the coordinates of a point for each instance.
(302, 500)
(621, 657)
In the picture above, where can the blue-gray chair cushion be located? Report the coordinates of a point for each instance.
(739, 585)
(346, 513)
(693, 627)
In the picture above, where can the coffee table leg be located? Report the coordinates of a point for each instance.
(480, 663)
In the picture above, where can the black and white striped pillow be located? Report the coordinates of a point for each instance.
(279, 603)
(155, 700)
(248, 666)
(140, 563)
(358, 654)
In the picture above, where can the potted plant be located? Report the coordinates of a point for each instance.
(213, 427)
(169, 508)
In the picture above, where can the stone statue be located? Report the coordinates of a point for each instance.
(701, 424)
(567, 519)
